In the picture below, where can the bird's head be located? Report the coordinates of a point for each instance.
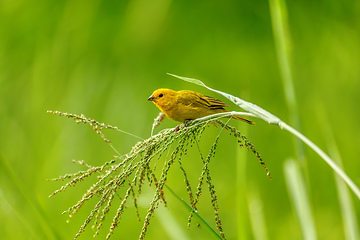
(162, 97)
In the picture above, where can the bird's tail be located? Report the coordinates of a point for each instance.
(243, 119)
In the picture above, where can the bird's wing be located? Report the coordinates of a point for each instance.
(212, 102)
(190, 98)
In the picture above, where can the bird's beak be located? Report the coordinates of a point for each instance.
(151, 98)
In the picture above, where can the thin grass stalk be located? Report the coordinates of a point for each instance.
(174, 230)
(198, 218)
(272, 119)
(38, 214)
(279, 20)
(282, 40)
(298, 193)
(241, 203)
(326, 158)
(257, 215)
(351, 225)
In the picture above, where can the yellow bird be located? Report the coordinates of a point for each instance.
(186, 105)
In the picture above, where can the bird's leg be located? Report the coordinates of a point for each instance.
(177, 128)
(186, 122)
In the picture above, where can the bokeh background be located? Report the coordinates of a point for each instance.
(104, 58)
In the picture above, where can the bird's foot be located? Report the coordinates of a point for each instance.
(177, 128)
(186, 122)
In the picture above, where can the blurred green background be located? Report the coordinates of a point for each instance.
(104, 59)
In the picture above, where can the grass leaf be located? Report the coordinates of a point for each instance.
(270, 118)
(196, 215)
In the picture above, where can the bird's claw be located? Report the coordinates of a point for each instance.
(177, 128)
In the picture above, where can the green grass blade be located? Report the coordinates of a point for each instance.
(326, 158)
(298, 194)
(241, 203)
(282, 42)
(351, 225)
(192, 80)
(270, 118)
(171, 227)
(257, 215)
(247, 106)
(39, 218)
(282, 39)
(203, 223)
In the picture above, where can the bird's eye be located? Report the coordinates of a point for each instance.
(161, 95)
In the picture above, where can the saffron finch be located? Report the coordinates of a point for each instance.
(186, 105)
